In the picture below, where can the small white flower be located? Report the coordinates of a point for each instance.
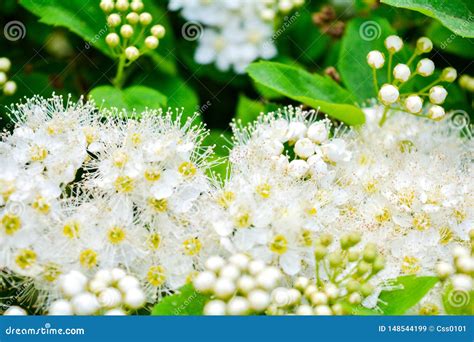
(424, 45)
(9, 88)
(388, 94)
(112, 39)
(393, 43)
(375, 59)
(414, 104)
(132, 53)
(151, 42)
(449, 74)
(5, 64)
(425, 67)
(401, 72)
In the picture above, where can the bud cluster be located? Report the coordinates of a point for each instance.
(467, 82)
(413, 103)
(342, 280)
(108, 292)
(237, 286)
(7, 86)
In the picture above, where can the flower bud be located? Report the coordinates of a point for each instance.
(355, 298)
(320, 252)
(375, 59)
(335, 259)
(393, 43)
(112, 39)
(301, 283)
(259, 300)
(238, 306)
(114, 20)
(224, 288)
(436, 112)
(444, 270)
(425, 67)
(319, 298)
(304, 310)
(378, 265)
(353, 256)
(438, 94)
(323, 310)
(388, 94)
(215, 308)
(267, 14)
(325, 239)
(145, 18)
(132, 53)
(3, 77)
(449, 74)
(366, 290)
(158, 31)
(298, 168)
(126, 31)
(151, 42)
(133, 18)
(9, 88)
(424, 45)
(413, 104)
(121, 5)
(204, 281)
(352, 285)
(136, 5)
(304, 148)
(214, 263)
(363, 268)
(107, 5)
(5, 64)
(370, 253)
(401, 72)
(354, 238)
(318, 132)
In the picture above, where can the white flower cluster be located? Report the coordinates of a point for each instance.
(237, 286)
(108, 292)
(7, 86)
(78, 191)
(236, 32)
(389, 93)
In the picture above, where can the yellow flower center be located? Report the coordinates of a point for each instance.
(384, 216)
(136, 139)
(11, 223)
(38, 153)
(116, 235)
(71, 229)
(25, 258)
(154, 241)
(421, 221)
(306, 238)
(40, 204)
(410, 265)
(159, 205)
(152, 174)
(429, 309)
(264, 190)
(226, 199)
(192, 246)
(371, 187)
(51, 271)
(406, 198)
(6, 189)
(120, 159)
(242, 220)
(88, 258)
(279, 244)
(124, 184)
(156, 275)
(406, 146)
(187, 169)
(460, 215)
(445, 235)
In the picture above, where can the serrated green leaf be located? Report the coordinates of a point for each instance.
(136, 98)
(187, 301)
(454, 14)
(313, 90)
(412, 290)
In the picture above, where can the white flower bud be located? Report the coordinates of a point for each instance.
(267, 14)
(105, 276)
(285, 6)
(85, 304)
(72, 283)
(310, 289)
(425, 67)
(355, 298)
(97, 285)
(424, 45)
(444, 270)
(296, 130)
(413, 104)
(318, 132)
(460, 251)
(214, 263)
(5, 64)
(304, 310)
(238, 306)
(204, 281)
(259, 300)
(388, 94)
(9, 88)
(224, 288)
(3, 77)
(317, 166)
(304, 148)
(114, 20)
(134, 298)
(240, 260)
(246, 283)
(323, 310)
(331, 291)
(151, 42)
(464, 264)
(267, 280)
(128, 283)
(295, 296)
(136, 5)
(132, 53)
(15, 311)
(273, 147)
(436, 112)
(107, 5)
(215, 308)
(449, 74)
(158, 31)
(298, 168)
(60, 307)
(230, 271)
(393, 43)
(117, 274)
(110, 297)
(256, 266)
(401, 72)
(319, 298)
(112, 39)
(336, 151)
(133, 18)
(301, 283)
(438, 94)
(126, 31)
(145, 18)
(115, 312)
(462, 282)
(121, 5)
(375, 59)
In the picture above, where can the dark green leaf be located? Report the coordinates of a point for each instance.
(187, 301)
(445, 40)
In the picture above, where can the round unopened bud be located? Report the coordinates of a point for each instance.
(425, 67)
(215, 308)
(97, 285)
(115, 312)
(133, 18)
(363, 268)
(268, 278)
(460, 251)
(298, 168)
(319, 298)
(15, 311)
(259, 300)
(240, 260)
(127, 283)
(145, 18)
(296, 130)
(318, 132)
(230, 271)
(310, 289)
(112, 39)
(214, 263)
(401, 72)
(85, 304)
(106, 5)
(424, 45)
(117, 274)
(393, 43)
(110, 297)
(267, 14)
(353, 256)
(375, 59)
(355, 298)
(444, 270)
(121, 5)
(378, 264)
(158, 31)
(151, 42)
(126, 31)
(370, 253)
(449, 74)
(61, 307)
(224, 288)
(464, 264)
(246, 283)
(72, 283)
(436, 112)
(136, 5)
(366, 290)
(304, 310)
(354, 238)
(438, 94)
(413, 104)
(5, 64)
(462, 282)
(304, 148)
(301, 283)
(352, 285)
(114, 20)
(134, 298)
(335, 259)
(332, 291)
(204, 281)
(132, 53)
(238, 306)
(3, 77)
(320, 252)
(388, 94)
(256, 266)
(323, 310)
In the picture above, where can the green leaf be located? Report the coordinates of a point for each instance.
(248, 110)
(457, 302)
(313, 90)
(412, 290)
(187, 301)
(454, 14)
(136, 98)
(445, 40)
